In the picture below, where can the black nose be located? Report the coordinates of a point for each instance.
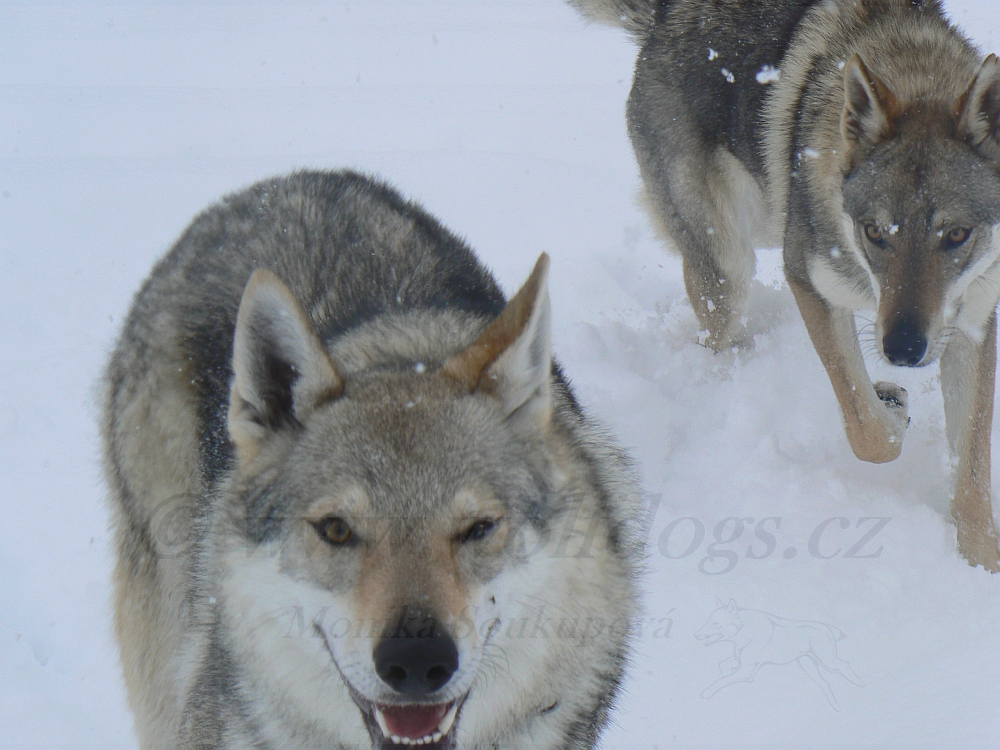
(416, 665)
(904, 344)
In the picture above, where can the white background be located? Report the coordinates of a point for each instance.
(119, 121)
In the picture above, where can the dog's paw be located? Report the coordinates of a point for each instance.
(977, 542)
(896, 400)
(892, 395)
(981, 554)
(877, 429)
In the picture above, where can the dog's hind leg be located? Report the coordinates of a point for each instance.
(808, 665)
(823, 648)
(968, 373)
(704, 202)
(710, 218)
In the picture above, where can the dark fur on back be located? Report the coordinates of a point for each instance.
(344, 270)
(710, 53)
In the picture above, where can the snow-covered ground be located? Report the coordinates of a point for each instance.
(118, 121)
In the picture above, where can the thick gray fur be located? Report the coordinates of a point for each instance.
(348, 400)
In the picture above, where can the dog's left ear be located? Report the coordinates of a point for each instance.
(869, 107)
(512, 358)
(979, 109)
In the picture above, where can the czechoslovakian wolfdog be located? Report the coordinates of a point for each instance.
(355, 504)
(865, 135)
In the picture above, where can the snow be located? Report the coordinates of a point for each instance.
(768, 74)
(119, 121)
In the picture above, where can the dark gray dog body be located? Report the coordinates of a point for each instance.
(864, 137)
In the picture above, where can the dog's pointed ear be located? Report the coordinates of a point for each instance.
(512, 358)
(281, 372)
(719, 602)
(732, 605)
(869, 107)
(979, 109)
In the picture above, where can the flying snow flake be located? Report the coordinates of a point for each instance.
(810, 153)
(834, 252)
(728, 76)
(840, 65)
(768, 74)
(893, 228)
(712, 54)
(420, 367)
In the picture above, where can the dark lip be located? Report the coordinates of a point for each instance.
(367, 708)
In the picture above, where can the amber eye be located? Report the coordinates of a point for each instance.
(874, 233)
(477, 531)
(333, 530)
(957, 236)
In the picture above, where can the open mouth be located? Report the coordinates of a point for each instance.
(397, 725)
(711, 638)
(426, 725)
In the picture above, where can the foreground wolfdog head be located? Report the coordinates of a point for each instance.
(406, 532)
(396, 517)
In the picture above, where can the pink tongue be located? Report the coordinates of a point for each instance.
(413, 722)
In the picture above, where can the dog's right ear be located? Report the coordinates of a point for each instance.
(869, 107)
(979, 109)
(281, 369)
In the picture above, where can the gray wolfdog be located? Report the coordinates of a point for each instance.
(355, 504)
(865, 136)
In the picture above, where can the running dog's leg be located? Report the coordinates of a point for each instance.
(968, 372)
(875, 417)
(808, 665)
(703, 201)
(745, 673)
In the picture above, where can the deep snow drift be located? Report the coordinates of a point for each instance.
(118, 122)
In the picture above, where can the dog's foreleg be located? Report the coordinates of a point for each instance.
(968, 373)
(729, 666)
(875, 416)
(745, 673)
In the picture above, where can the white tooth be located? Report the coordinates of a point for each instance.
(397, 739)
(380, 718)
(419, 742)
(444, 726)
(436, 737)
